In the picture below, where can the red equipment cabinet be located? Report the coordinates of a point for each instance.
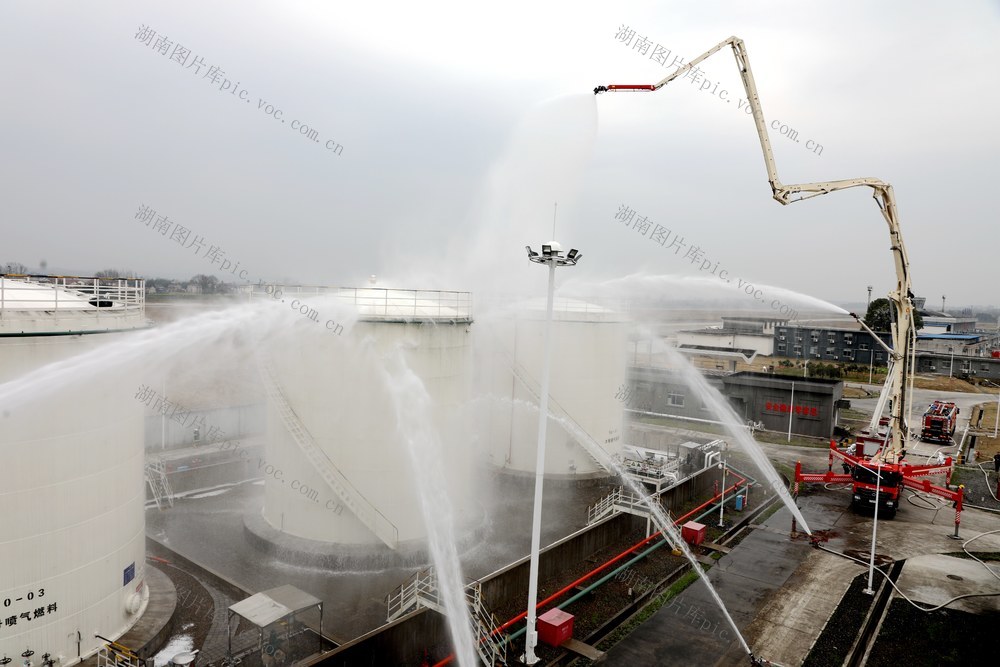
(693, 533)
(555, 626)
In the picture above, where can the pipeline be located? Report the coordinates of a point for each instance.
(638, 545)
(603, 580)
(600, 582)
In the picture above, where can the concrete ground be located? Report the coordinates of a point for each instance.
(691, 629)
(934, 579)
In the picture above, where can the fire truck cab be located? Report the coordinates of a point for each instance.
(939, 422)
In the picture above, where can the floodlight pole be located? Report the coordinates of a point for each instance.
(722, 500)
(871, 563)
(791, 411)
(996, 425)
(551, 255)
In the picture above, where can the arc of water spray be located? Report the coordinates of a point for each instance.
(660, 519)
(149, 345)
(413, 409)
(734, 426)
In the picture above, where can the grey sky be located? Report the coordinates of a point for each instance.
(428, 100)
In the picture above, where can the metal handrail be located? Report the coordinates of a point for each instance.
(384, 302)
(420, 590)
(20, 293)
(363, 509)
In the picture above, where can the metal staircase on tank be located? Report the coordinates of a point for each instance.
(554, 408)
(109, 655)
(367, 513)
(616, 502)
(492, 651)
(421, 591)
(156, 477)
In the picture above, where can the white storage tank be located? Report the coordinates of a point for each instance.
(72, 528)
(336, 468)
(589, 346)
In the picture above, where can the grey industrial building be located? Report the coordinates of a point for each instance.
(810, 403)
(968, 367)
(830, 344)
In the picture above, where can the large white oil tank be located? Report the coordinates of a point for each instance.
(589, 346)
(72, 527)
(337, 470)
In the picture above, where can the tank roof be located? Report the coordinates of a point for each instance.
(52, 305)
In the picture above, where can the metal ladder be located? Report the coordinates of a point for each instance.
(615, 502)
(156, 476)
(420, 590)
(588, 443)
(490, 648)
(367, 513)
(116, 655)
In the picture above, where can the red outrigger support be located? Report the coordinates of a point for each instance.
(914, 477)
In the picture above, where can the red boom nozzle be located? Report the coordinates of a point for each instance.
(635, 87)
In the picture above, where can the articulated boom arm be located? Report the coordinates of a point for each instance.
(787, 194)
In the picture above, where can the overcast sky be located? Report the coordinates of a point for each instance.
(457, 137)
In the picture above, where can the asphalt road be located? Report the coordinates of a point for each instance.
(923, 397)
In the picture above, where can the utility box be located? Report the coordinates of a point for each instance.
(693, 533)
(554, 627)
(739, 503)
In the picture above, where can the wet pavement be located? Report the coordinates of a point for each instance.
(691, 629)
(781, 591)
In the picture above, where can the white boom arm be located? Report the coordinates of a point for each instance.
(787, 194)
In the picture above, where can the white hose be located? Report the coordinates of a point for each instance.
(986, 474)
(969, 553)
(903, 595)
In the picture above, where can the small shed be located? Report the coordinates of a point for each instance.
(272, 606)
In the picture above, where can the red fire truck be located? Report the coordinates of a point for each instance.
(939, 423)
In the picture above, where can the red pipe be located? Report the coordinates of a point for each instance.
(641, 86)
(601, 568)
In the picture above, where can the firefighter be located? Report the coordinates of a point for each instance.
(996, 462)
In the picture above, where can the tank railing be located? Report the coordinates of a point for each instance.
(443, 304)
(651, 470)
(602, 308)
(20, 292)
(385, 302)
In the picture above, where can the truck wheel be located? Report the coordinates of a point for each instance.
(889, 512)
